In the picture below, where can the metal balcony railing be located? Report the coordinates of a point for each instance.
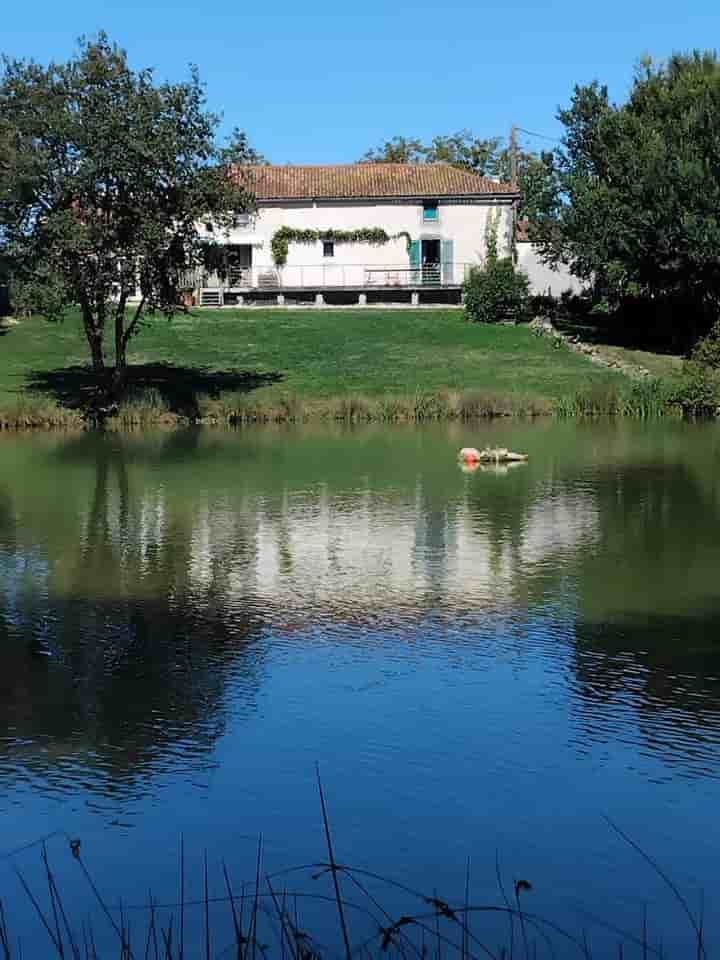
(322, 276)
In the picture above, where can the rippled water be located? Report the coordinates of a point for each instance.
(479, 663)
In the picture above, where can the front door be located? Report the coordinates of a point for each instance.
(431, 261)
(239, 264)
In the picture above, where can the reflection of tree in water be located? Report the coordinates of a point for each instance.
(648, 637)
(113, 653)
(660, 675)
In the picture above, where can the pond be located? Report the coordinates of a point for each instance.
(483, 665)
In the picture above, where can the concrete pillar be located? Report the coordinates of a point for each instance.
(362, 299)
(240, 300)
(415, 298)
(319, 300)
(281, 299)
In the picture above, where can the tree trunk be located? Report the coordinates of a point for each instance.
(118, 382)
(121, 339)
(94, 333)
(94, 336)
(96, 351)
(120, 344)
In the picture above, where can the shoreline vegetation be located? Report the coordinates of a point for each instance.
(281, 913)
(235, 367)
(146, 408)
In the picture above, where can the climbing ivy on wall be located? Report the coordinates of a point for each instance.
(283, 237)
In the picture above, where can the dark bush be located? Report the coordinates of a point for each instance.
(698, 393)
(707, 350)
(497, 291)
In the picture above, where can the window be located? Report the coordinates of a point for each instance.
(328, 248)
(430, 210)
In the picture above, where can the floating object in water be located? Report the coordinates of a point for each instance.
(491, 455)
(499, 469)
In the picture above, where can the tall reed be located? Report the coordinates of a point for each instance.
(306, 913)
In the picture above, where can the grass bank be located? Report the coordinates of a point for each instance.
(269, 365)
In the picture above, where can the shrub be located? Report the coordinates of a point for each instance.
(707, 350)
(497, 291)
(698, 393)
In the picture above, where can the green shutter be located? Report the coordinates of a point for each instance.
(446, 256)
(414, 254)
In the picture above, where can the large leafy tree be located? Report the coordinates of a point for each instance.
(397, 150)
(631, 200)
(105, 175)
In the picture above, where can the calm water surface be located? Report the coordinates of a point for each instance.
(481, 662)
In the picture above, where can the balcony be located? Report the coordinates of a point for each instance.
(214, 290)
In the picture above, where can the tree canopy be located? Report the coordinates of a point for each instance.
(104, 176)
(631, 200)
(488, 157)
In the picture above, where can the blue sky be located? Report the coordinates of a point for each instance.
(323, 81)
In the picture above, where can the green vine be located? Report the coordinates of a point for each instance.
(492, 226)
(283, 237)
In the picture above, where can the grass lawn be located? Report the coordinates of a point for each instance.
(662, 365)
(316, 355)
(616, 344)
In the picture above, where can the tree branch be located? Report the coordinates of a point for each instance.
(134, 322)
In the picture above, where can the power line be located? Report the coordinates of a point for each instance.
(541, 136)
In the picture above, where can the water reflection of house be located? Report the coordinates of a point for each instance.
(373, 552)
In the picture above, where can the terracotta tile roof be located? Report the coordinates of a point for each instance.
(346, 181)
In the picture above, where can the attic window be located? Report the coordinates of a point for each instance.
(328, 248)
(430, 210)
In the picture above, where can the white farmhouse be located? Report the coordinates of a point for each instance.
(374, 232)
(546, 280)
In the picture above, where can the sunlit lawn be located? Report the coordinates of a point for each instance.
(322, 353)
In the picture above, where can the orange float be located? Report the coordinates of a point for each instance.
(471, 455)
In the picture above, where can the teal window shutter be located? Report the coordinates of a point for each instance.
(446, 255)
(414, 255)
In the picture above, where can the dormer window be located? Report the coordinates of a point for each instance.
(430, 211)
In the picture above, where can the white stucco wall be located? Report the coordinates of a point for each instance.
(544, 279)
(462, 223)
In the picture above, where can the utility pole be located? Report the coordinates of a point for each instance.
(513, 156)
(514, 185)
